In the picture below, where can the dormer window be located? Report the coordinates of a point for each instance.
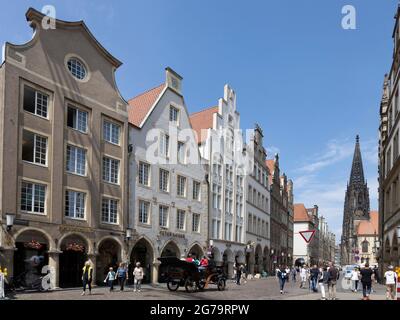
(173, 115)
(77, 68)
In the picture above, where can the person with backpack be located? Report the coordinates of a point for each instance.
(333, 277)
(122, 275)
(391, 280)
(281, 275)
(366, 281)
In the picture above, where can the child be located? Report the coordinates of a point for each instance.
(138, 275)
(110, 278)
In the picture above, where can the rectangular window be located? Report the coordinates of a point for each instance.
(164, 180)
(109, 213)
(33, 197)
(76, 160)
(196, 190)
(144, 170)
(180, 219)
(181, 152)
(34, 148)
(196, 222)
(35, 102)
(111, 132)
(173, 114)
(164, 145)
(144, 210)
(110, 170)
(75, 204)
(181, 186)
(163, 216)
(77, 119)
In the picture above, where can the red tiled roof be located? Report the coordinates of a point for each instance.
(369, 227)
(140, 106)
(202, 120)
(300, 213)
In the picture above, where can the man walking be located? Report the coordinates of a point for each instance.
(366, 281)
(391, 280)
(314, 272)
(281, 275)
(333, 277)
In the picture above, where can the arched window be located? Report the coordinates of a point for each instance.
(364, 246)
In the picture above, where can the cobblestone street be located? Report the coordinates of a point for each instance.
(259, 289)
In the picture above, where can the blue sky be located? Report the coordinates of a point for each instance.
(310, 84)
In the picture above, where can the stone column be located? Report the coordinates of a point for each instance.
(92, 259)
(156, 266)
(54, 264)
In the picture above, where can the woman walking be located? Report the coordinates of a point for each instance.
(122, 275)
(323, 281)
(110, 278)
(282, 275)
(87, 276)
(355, 277)
(138, 277)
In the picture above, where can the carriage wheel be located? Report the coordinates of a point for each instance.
(221, 285)
(190, 285)
(172, 285)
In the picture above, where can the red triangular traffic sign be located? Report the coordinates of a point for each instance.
(307, 235)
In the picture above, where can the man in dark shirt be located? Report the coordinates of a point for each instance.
(314, 272)
(366, 280)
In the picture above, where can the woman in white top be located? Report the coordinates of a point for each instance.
(303, 276)
(355, 277)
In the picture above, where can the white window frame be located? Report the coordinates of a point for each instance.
(79, 113)
(109, 213)
(35, 136)
(140, 213)
(75, 169)
(164, 145)
(181, 187)
(141, 173)
(36, 102)
(163, 217)
(110, 131)
(194, 216)
(33, 197)
(161, 180)
(75, 194)
(174, 111)
(196, 183)
(108, 161)
(180, 223)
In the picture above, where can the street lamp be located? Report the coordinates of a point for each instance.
(128, 235)
(10, 217)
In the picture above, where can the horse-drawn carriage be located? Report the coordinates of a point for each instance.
(178, 273)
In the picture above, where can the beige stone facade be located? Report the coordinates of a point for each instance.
(63, 147)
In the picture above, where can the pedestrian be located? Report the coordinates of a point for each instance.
(196, 261)
(87, 276)
(355, 277)
(204, 262)
(314, 272)
(366, 281)
(287, 273)
(110, 278)
(281, 274)
(243, 272)
(122, 275)
(189, 258)
(333, 277)
(238, 270)
(391, 280)
(293, 273)
(323, 281)
(138, 275)
(303, 276)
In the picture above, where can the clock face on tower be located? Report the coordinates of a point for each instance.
(358, 213)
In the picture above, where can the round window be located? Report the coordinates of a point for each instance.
(77, 68)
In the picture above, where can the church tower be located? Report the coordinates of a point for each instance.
(356, 208)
